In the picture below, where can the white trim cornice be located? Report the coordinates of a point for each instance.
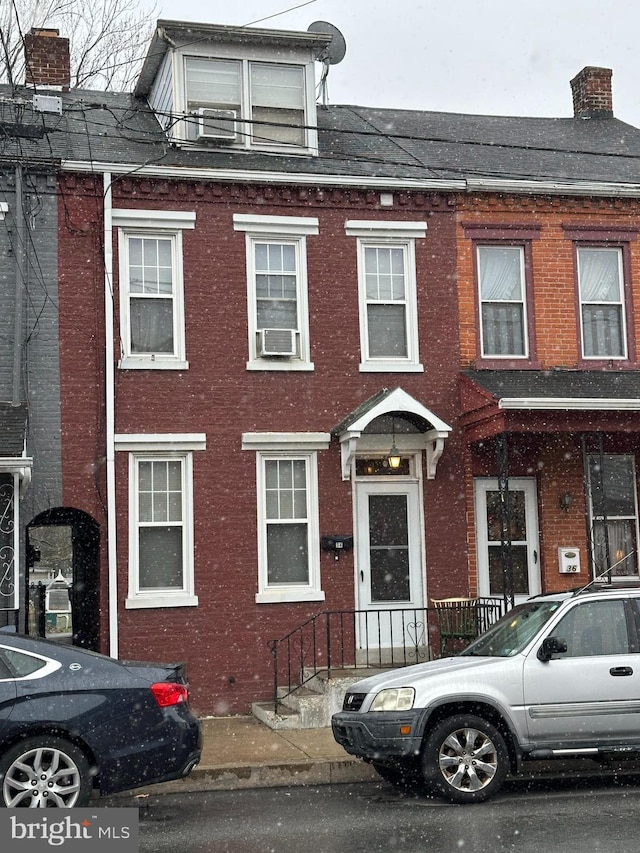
(570, 404)
(287, 441)
(524, 185)
(135, 218)
(385, 228)
(159, 441)
(246, 176)
(281, 225)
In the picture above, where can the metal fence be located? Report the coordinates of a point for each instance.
(394, 637)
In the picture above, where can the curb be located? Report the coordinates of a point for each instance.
(286, 774)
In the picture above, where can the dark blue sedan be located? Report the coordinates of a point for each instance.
(73, 722)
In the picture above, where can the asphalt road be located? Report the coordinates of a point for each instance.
(568, 816)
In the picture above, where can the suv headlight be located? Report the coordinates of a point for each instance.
(395, 699)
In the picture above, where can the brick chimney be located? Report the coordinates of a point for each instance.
(46, 58)
(592, 93)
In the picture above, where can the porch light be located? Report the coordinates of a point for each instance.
(565, 500)
(393, 457)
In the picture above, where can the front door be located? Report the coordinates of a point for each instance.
(389, 565)
(524, 564)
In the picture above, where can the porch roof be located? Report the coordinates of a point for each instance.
(558, 400)
(431, 430)
(13, 427)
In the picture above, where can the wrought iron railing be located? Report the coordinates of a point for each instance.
(349, 639)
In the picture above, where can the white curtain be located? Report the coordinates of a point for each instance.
(500, 270)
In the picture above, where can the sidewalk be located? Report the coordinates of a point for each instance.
(242, 752)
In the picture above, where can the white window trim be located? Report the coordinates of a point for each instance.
(392, 233)
(622, 303)
(278, 229)
(154, 446)
(245, 141)
(288, 446)
(149, 224)
(523, 301)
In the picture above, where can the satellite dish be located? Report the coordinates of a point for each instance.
(337, 47)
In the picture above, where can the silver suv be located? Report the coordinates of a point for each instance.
(557, 677)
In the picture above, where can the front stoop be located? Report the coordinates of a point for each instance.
(311, 706)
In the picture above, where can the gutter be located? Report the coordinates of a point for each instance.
(462, 185)
(255, 176)
(571, 404)
(109, 390)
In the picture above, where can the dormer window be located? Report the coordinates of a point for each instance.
(214, 87)
(245, 103)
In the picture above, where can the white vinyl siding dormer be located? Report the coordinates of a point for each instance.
(244, 97)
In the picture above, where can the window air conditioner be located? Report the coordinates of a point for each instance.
(217, 124)
(277, 342)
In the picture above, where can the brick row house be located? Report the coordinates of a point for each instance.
(323, 359)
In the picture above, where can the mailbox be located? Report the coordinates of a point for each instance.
(569, 560)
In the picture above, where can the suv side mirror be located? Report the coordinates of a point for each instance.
(551, 646)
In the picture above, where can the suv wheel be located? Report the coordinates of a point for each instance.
(465, 759)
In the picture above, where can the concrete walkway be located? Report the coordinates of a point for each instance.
(242, 752)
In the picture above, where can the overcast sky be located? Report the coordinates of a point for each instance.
(493, 57)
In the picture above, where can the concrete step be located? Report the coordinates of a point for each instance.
(313, 705)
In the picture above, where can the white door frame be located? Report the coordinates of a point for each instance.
(363, 489)
(527, 485)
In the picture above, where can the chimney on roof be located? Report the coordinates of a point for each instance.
(46, 57)
(592, 93)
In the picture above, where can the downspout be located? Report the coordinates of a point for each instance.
(109, 390)
(19, 289)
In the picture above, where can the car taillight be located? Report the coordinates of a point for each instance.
(169, 693)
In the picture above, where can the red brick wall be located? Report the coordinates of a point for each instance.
(224, 639)
(553, 457)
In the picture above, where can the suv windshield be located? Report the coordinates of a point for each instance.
(514, 630)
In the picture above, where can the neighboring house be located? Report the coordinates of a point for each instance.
(264, 304)
(549, 288)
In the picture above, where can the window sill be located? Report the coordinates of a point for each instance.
(507, 363)
(390, 367)
(160, 600)
(129, 363)
(281, 596)
(282, 365)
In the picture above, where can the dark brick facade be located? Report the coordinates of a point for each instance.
(224, 639)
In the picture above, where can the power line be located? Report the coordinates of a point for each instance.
(278, 14)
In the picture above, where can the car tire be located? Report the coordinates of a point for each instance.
(465, 759)
(45, 771)
(404, 776)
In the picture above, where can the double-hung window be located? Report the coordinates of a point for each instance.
(613, 510)
(602, 309)
(151, 288)
(388, 293)
(288, 528)
(248, 103)
(161, 552)
(503, 309)
(278, 320)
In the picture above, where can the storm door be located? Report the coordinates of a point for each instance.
(389, 564)
(523, 565)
